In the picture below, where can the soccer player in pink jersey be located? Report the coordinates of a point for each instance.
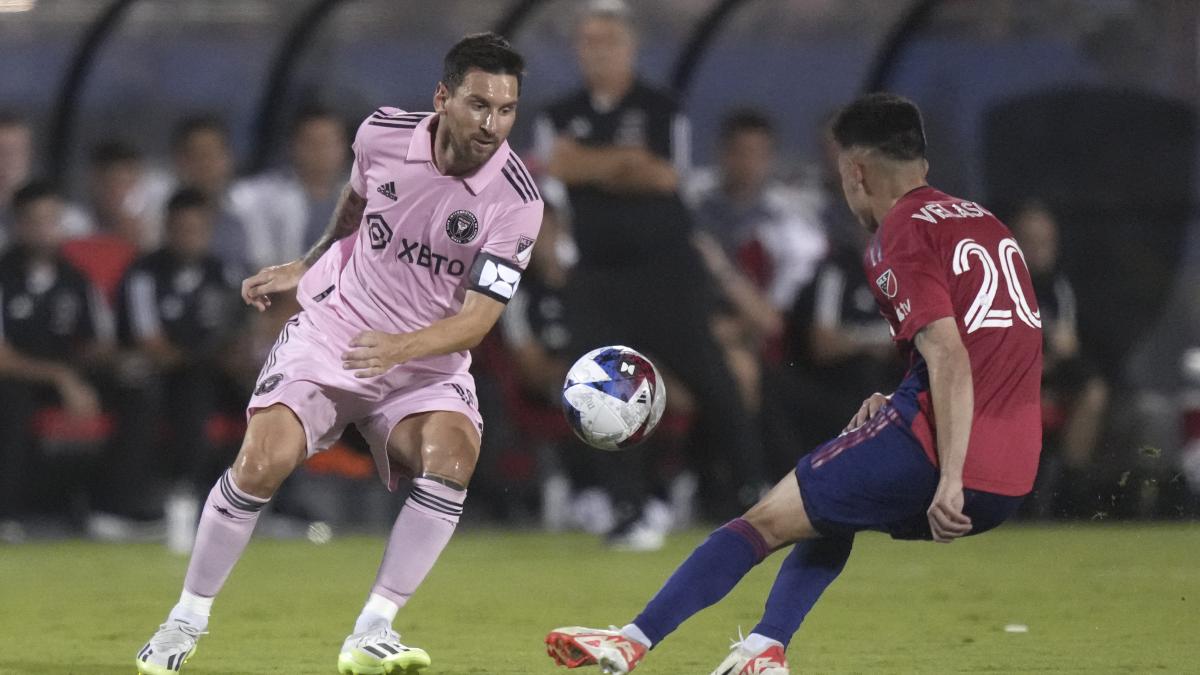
(950, 453)
(426, 245)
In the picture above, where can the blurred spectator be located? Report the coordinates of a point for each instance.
(840, 344)
(51, 328)
(177, 311)
(1074, 393)
(202, 160)
(772, 230)
(16, 160)
(620, 146)
(118, 226)
(287, 210)
(117, 193)
(534, 324)
(16, 165)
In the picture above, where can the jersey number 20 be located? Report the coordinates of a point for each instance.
(981, 314)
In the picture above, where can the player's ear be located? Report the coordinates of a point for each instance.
(858, 174)
(440, 96)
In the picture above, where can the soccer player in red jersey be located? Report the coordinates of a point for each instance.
(950, 453)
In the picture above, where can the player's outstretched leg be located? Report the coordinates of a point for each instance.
(443, 446)
(712, 570)
(274, 446)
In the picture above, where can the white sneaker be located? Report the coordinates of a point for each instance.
(379, 651)
(647, 533)
(168, 649)
(576, 646)
(12, 532)
(742, 661)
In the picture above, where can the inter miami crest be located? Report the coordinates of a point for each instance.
(462, 226)
(268, 385)
(887, 283)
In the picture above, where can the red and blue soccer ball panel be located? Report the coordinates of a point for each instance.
(613, 397)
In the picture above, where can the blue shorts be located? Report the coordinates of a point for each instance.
(878, 477)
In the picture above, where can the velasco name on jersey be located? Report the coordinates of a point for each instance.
(931, 213)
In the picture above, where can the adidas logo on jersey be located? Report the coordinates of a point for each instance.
(388, 190)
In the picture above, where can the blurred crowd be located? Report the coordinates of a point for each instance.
(126, 355)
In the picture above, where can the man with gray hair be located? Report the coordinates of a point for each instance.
(620, 146)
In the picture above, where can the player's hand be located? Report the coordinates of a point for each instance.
(947, 521)
(869, 407)
(78, 397)
(257, 289)
(374, 353)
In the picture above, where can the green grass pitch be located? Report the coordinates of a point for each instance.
(1096, 599)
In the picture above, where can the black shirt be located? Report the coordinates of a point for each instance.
(47, 311)
(191, 304)
(839, 298)
(536, 314)
(614, 230)
(1056, 301)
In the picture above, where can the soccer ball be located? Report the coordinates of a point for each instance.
(613, 397)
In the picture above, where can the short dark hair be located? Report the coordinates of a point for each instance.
(108, 153)
(187, 198)
(885, 122)
(34, 191)
(11, 118)
(745, 119)
(312, 112)
(194, 124)
(483, 51)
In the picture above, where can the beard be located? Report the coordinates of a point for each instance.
(471, 156)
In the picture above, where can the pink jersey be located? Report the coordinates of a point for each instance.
(425, 239)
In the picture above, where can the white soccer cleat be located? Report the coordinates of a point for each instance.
(742, 661)
(575, 647)
(168, 649)
(380, 652)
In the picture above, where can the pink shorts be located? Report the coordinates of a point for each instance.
(304, 372)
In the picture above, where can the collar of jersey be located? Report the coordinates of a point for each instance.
(421, 150)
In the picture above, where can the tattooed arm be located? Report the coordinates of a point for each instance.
(346, 217)
(345, 221)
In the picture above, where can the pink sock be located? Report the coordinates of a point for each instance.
(422, 530)
(226, 523)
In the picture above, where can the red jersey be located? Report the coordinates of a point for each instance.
(938, 256)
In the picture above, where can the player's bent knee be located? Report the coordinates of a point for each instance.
(451, 455)
(274, 446)
(780, 516)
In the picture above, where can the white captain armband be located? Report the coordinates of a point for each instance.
(494, 276)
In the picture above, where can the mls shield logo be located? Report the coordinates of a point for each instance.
(524, 250)
(462, 226)
(379, 231)
(887, 283)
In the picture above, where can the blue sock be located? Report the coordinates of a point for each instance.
(804, 575)
(712, 570)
